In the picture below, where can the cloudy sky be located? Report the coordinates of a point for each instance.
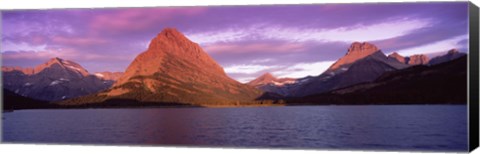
(287, 40)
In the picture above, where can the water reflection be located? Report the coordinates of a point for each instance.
(439, 127)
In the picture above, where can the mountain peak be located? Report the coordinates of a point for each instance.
(171, 33)
(449, 56)
(362, 48)
(355, 52)
(53, 63)
(55, 60)
(268, 75)
(417, 59)
(170, 30)
(171, 49)
(170, 40)
(64, 64)
(53, 80)
(269, 83)
(395, 54)
(397, 57)
(452, 51)
(175, 69)
(263, 79)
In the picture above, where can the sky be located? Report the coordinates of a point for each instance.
(248, 41)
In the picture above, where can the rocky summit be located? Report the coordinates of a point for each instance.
(355, 52)
(418, 59)
(397, 57)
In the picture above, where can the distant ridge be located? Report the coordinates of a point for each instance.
(53, 62)
(420, 84)
(363, 62)
(449, 56)
(269, 83)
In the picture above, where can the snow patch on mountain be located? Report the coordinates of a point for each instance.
(99, 75)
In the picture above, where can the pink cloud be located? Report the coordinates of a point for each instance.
(254, 47)
(38, 39)
(138, 18)
(31, 55)
(395, 42)
(79, 41)
(30, 38)
(65, 53)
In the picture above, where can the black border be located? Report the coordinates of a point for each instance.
(474, 73)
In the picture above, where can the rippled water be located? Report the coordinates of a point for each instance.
(385, 127)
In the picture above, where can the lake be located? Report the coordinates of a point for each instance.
(367, 127)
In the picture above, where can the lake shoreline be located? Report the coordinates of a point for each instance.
(218, 106)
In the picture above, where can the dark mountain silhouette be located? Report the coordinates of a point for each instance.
(363, 62)
(12, 101)
(421, 84)
(451, 55)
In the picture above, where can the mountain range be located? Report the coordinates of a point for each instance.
(57, 79)
(444, 83)
(363, 62)
(176, 71)
(451, 55)
(420, 59)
